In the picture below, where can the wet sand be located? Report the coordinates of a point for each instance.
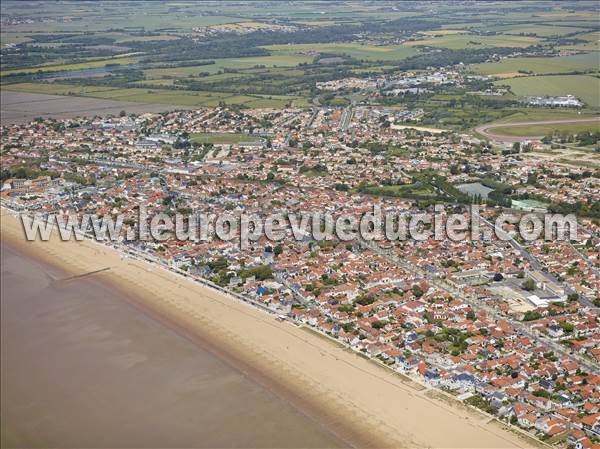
(360, 402)
(83, 367)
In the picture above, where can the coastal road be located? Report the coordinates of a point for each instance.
(487, 130)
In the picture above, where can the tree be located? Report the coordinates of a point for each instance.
(528, 285)
(567, 327)
(532, 315)
(262, 272)
(378, 324)
(417, 291)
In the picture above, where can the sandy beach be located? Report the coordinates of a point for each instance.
(360, 402)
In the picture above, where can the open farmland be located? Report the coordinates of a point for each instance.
(121, 60)
(162, 96)
(357, 51)
(22, 107)
(516, 66)
(537, 30)
(281, 60)
(582, 86)
(461, 41)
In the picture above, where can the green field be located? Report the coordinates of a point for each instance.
(58, 89)
(540, 115)
(357, 51)
(120, 60)
(510, 67)
(585, 87)
(281, 60)
(222, 138)
(153, 17)
(13, 38)
(460, 41)
(539, 30)
(590, 37)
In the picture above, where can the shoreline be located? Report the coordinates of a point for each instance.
(357, 401)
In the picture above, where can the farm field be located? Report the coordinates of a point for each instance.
(13, 38)
(358, 51)
(118, 60)
(282, 60)
(443, 32)
(592, 42)
(584, 87)
(57, 89)
(22, 107)
(510, 67)
(539, 30)
(127, 16)
(590, 37)
(161, 96)
(461, 41)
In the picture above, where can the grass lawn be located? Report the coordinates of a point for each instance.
(585, 87)
(222, 138)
